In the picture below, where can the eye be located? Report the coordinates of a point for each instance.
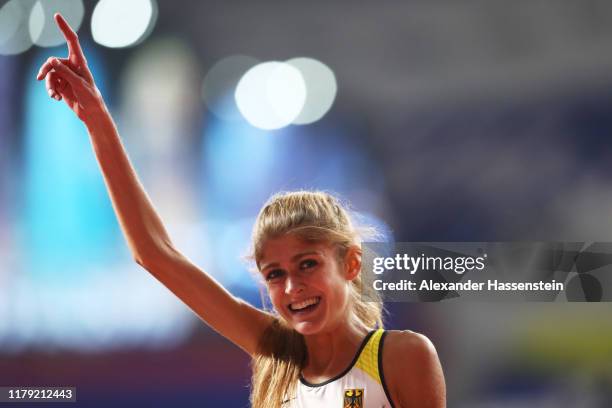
(308, 263)
(274, 274)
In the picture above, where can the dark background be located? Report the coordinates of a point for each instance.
(466, 120)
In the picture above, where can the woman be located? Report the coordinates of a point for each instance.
(320, 348)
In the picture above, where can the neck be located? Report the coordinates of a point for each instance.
(332, 351)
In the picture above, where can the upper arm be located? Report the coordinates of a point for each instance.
(232, 317)
(413, 371)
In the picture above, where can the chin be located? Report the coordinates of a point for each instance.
(307, 328)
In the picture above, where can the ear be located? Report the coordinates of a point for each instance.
(352, 262)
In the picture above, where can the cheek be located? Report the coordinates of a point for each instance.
(338, 290)
(343, 294)
(276, 296)
(273, 295)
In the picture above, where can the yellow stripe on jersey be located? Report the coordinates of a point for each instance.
(368, 360)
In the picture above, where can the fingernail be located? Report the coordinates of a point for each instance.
(55, 62)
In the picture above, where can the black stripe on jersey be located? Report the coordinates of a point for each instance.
(342, 374)
(380, 368)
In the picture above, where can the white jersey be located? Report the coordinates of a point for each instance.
(361, 385)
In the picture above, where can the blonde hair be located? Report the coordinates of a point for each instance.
(314, 216)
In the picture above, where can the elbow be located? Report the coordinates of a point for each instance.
(151, 264)
(146, 259)
(140, 261)
(153, 258)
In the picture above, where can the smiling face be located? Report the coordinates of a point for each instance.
(307, 284)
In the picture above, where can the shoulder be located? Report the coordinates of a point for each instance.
(412, 370)
(407, 352)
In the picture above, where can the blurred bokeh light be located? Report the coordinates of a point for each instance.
(43, 30)
(118, 24)
(219, 85)
(14, 28)
(271, 95)
(321, 89)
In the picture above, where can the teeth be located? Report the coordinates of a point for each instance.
(303, 304)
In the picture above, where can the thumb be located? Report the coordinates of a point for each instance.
(68, 74)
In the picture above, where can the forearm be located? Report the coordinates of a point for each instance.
(142, 226)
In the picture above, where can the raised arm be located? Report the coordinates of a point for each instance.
(69, 79)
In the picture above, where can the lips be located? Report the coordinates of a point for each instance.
(305, 305)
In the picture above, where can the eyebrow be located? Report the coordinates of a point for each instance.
(293, 259)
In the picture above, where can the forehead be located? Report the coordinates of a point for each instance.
(283, 249)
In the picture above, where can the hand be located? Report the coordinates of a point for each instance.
(70, 78)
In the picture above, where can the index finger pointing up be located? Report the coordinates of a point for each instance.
(74, 48)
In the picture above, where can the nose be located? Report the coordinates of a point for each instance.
(293, 285)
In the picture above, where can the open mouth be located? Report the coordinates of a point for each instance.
(305, 306)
